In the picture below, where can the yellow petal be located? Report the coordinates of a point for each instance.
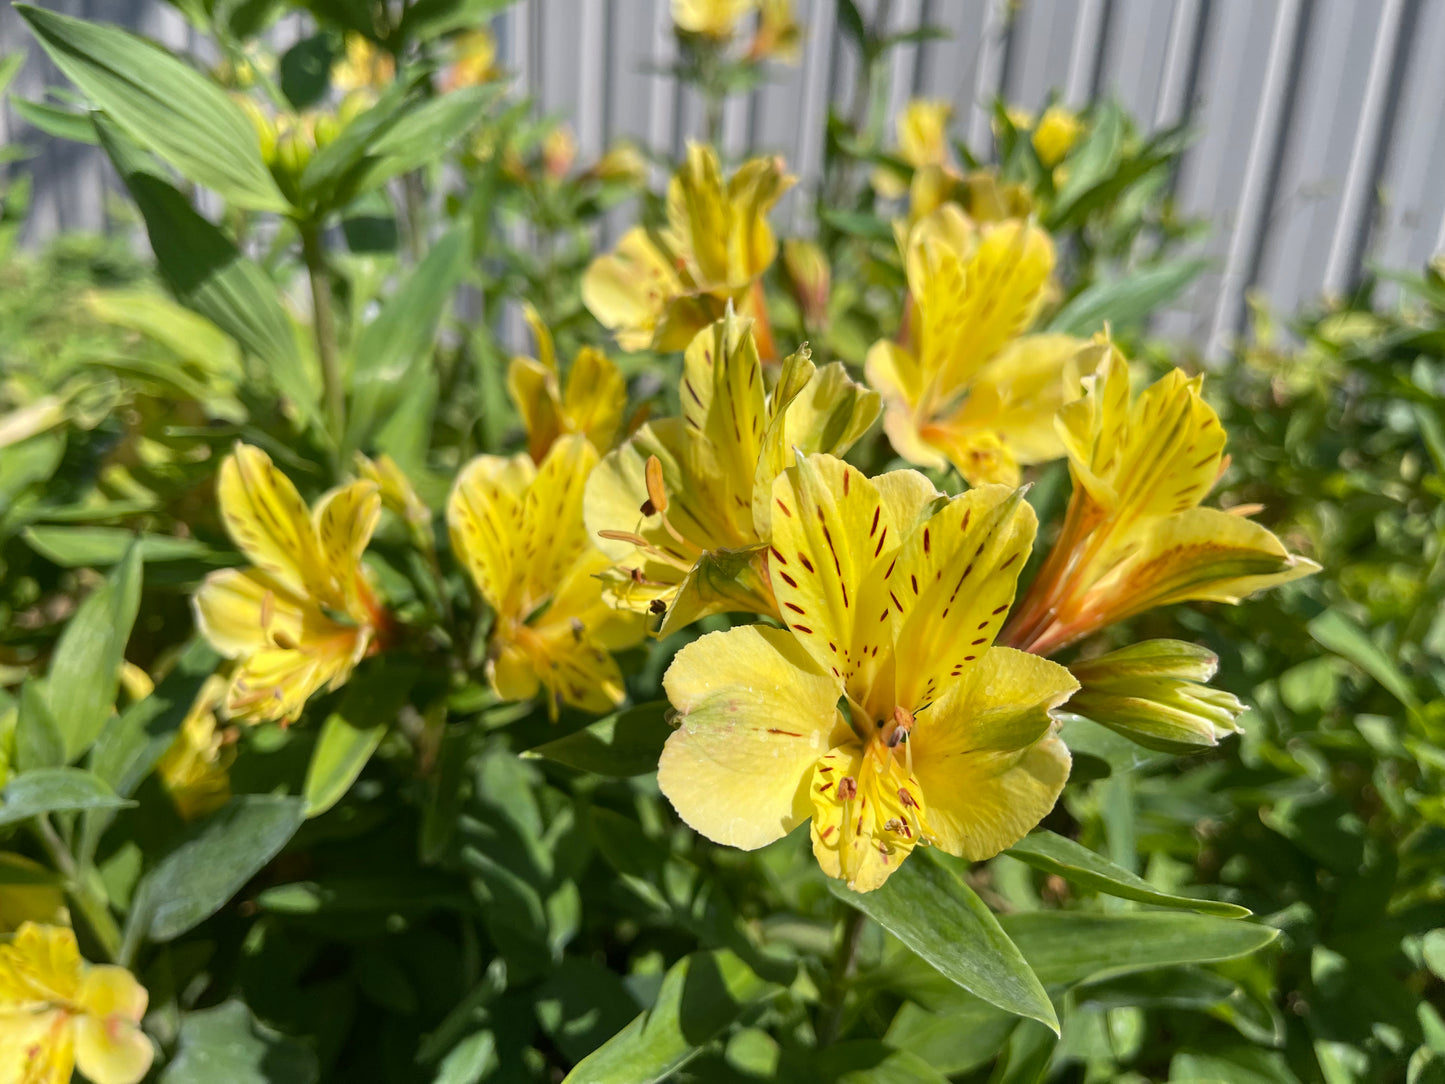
(862, 831)
(698, 216)
(985, 755)
(110, 1048)
(952, 585)
(723, 402)
(923, 132)
(37, 1047)
(40, 966)
(484, 515)
(533, 390)
(268, 520)
(628, 289)
(553, 535)
(895, 373)
(1031, 379)
(21, 902)
(345, 520)
(596, 398)
(240, 611)
(274, 684)
(755, 715)
(752, 191)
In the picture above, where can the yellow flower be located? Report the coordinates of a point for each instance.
(592, 402)
(194, 770)
(659, 290)
(623, 162)
(881, 712)
(684, 508)
(304, 616)
(966, 387)
(716, 19)
(779, 35)
(985, 198)
(1058, 131)
(30, 893)
(923, 144)
(397, 493)
(58, 1012)
(518, 529)
(365, 66)
(1134, 536)
(475, 61)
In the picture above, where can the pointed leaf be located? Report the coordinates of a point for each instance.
(1074, 862)
(165, 105)
(625, 743)
(352, 733)
(55, 790)
(943, 920)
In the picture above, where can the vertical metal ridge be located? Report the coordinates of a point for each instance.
(1390, 62)
(927, 52)
(661, 123)
(818, 63)
(992, 72)
(1280, 81)
(1085, 55)
(592, 69)
(1101, 54)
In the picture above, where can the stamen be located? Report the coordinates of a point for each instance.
(656, 493)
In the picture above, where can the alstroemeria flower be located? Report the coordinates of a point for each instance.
(592, 401)
(29, 893)
(304, 615)
(659, 290)
(716, 19)
(1058, 130)
(966, 386)
(881, 712)
(57, 1012)
(517, 527)
(195, 770)
(922, 143)
(684, 507)
(1134, 536)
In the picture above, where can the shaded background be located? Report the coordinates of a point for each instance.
(1321, 123)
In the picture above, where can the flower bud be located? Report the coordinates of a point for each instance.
(622, 162)
(1154, 694)
(293, 152)
(264, 125)
(326, 130)
(559, 151)
(1058, 131)
(809, 279)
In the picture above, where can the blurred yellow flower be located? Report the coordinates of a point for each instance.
(397, 493)
(195, 770)
(716, 19)
(29, 893)
(892, 596)
(966, 386)
(779, 35)
(922, 143)
(364, 67)
(517, 527)
(58, 1012)
(1058, 131)
(591, 402)
(305, 615)
(559, 151)
(659, 290)
(622, 162)
(684, 507)
(1134, 536)
(474, 61)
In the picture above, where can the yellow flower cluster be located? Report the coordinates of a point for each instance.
(892, 694)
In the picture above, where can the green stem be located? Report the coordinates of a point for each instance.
(323, 325)
(830, 1012)
(92, 907)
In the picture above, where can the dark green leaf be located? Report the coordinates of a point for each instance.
(1069, 947)
(85, 669)
(868, 1061)
(221, 854)
(55, 790)
(306, 70)
(1076, 863)
(954, 1041)
(98, 547)
(38, 741)
(700, 997)
(228, 1044)
(165, 105)
(1339, 634)
(939, 917)
(622, 744)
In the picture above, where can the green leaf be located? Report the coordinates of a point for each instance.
(38, 741)
(1069, 947)
(939, 917)
(1336, 632)
(55, 790)
(625, 743)
(219, 856)
(306, 70)
(165, 105)
(701, 995)
(868, 1061)
(1125, 302)
(425, 133)
(98, 547)
(1076, 863)
(207, 274)
(352, 733)
(858, 224)
(85, 669)
(394, 349)
(955, 1041)
(228, 1044)
(54, 121)
(1092, 163)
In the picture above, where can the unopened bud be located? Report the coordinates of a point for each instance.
(1058, 131)
(623, 162)
(326, 130)
(1154, 694)
(559, 151)
(264, 125)
(293, 152)
(809, 279)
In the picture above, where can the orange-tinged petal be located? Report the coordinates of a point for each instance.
(110, 1048)
(345, 520)
(37, 1047)
(868, 815)
(268, 520)
(533, 390)
(755, 715)
(484, 515)
(595, 398)
(245, 610)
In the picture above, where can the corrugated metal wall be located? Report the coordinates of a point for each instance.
(1322, 122)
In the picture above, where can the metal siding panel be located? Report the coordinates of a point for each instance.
(1135, 52)
(951, 65)
(1044, 33)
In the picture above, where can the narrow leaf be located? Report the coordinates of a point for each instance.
(38, 741)
(352, 733)
(85, 670)
(55, 790)
(1076, 863)
(1127, 301)
(944, 922)
(619, 745)
(1337, 633)
(165, 105)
